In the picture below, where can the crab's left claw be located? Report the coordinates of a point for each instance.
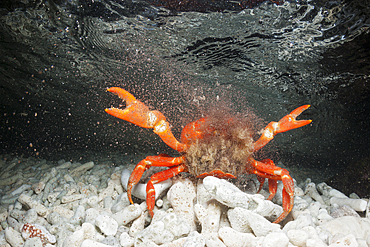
(138, 113)
(288, 122)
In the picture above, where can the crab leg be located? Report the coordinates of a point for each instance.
(269, 170)
(149, 161)
(157, 178)
(138, 113)
(286, 123)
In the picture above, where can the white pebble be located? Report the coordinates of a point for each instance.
(181, 196)
(128, 214)
(297, 237)
(275, 239)
(126, 240)
(33, 242)
(13, 237)
(26, 200)
(195, 239)
(75, 239)
(106, 224)
(138, 224)
(226, 192)
(356, 204)
(347, 241)
(92, 243)
(65, 212)
(232, 238)
(90, 215)
(72, 198)
(243, 220)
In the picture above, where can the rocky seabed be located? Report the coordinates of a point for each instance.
(86, 205)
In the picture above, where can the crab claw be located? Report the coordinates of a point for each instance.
(288, 122)
(135, 112)
(138, 113)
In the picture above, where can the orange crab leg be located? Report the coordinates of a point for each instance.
(138, 113)
(157, 178)
(288, 122)
(160, 160)
(273, 173)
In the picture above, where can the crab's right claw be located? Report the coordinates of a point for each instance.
(138, 113)
(135, 112)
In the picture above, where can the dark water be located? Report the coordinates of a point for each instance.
(58, 57)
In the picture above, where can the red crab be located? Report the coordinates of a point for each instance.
(219, 146)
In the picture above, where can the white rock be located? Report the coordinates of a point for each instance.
(89, 231)
(314, 208)
(138, 224)
(226, 193)
(346, 241)
(344, 210)
(323, 217)
(359, 227)
(214, 241)
(33, 242)
(13, 237)
(27, 200)
(82, 168)
(176, 243)
(181, 196)
(107, 192)
(232, 238)
(31, 216)
(300, 203)
(315, 243)
(328, 191)
(195, 239)
(65, 212)
(92, 243)
(202, 194)
(126, 240)
(312, 192)
(211, 222)
(20, 189)
(72, 198)
(164, 230)
(120, 202)
(275, 239)
(297, 237)
(111, 241)
(128, 214)
(244, 220)
(106, 224)
(139, 190)
(93, 201)
(302, 220)
(75, 239)
(356, 204)
(90, 215)
(361, 242)
(323, 234)
(78, 216)
(265, 208)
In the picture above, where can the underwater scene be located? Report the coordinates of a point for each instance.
(184, 123)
